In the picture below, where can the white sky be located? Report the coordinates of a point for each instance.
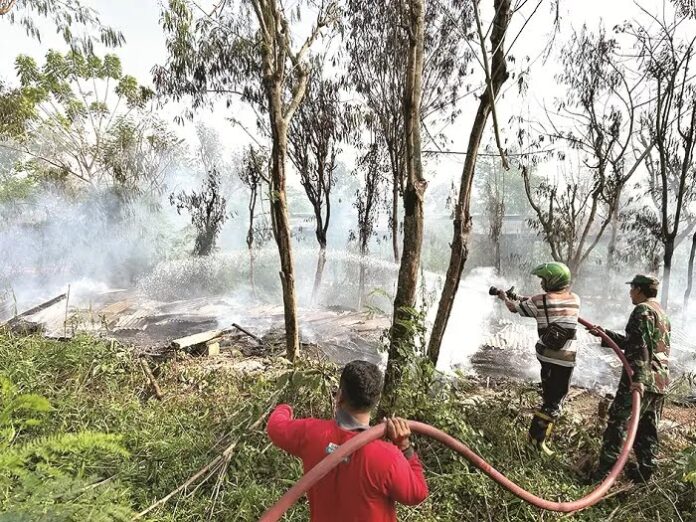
(139, 22)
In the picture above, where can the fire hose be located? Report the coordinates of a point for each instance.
(376, 432)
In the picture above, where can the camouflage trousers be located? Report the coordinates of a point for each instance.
(646, 444)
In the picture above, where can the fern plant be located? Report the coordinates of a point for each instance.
(689, 465)
(56, 477)
(18, 411)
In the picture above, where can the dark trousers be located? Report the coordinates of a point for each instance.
(555, 382)
(646, 444)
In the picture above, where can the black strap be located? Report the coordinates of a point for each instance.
(546, 312)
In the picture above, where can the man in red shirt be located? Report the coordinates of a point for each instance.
(366, 485)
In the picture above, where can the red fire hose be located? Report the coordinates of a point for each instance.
(320, 470)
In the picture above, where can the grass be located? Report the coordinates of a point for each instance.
(107, 449)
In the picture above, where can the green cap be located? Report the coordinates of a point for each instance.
(644, 280)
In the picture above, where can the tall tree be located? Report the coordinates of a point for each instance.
(496, 75)
(374, 169)
(80, 118)
(376, 70)
(254, 175)
(208, 210)
(244, 49)
(315, 136)
(641, 238)
(414, 193)
(598, 117)
(565, 212)
(671, 125)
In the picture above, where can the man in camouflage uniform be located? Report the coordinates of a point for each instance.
(646, 345)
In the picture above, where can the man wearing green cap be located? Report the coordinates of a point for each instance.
(556, 312)
(646, 344)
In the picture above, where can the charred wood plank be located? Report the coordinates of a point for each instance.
(196, 339)
(40, 307)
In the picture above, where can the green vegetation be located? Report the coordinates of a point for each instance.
(79, 118)
(83, 438)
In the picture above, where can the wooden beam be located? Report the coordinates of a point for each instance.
(199, 338)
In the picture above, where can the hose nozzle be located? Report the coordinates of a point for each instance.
(510, 293)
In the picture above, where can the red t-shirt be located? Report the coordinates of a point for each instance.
(363, 489)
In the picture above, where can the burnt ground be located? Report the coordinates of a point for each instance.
(336, 334)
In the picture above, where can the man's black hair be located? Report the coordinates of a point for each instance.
(647, 290)
(361, 382)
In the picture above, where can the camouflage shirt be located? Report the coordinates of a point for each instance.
(646, 345)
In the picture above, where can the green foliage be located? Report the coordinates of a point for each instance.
(208, 211)
(374, 298)
(60, 80)
(16, 108)
(78, 116)
(406, 344)
(64, 16)
(18, 411)
(208, 55)
(690, 466)
(138, 149)
(14, 189)
(52, 477)
(97, 387)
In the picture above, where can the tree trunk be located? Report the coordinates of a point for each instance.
(414, 193)
(321, 261)
(667, 270)
(690, 274)
(395, 217)
(462, 218)
(204, 243)
(611, 250)
(361, 281)
(497, 255)
(252, 283)
(250, 239)
(281, 222)
(320, 233)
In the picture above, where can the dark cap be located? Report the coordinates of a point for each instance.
(644, 280)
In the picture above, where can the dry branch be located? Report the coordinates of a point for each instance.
(489, 86)
(219, 463)
(153, 382)
(257, 339)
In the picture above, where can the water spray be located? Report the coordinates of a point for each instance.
(376, 432)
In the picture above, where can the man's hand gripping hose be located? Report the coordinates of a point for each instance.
(331, 461)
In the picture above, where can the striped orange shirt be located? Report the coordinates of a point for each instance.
(562, 309)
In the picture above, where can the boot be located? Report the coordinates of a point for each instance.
(540, 430)
(600, 472)
(638, 474)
